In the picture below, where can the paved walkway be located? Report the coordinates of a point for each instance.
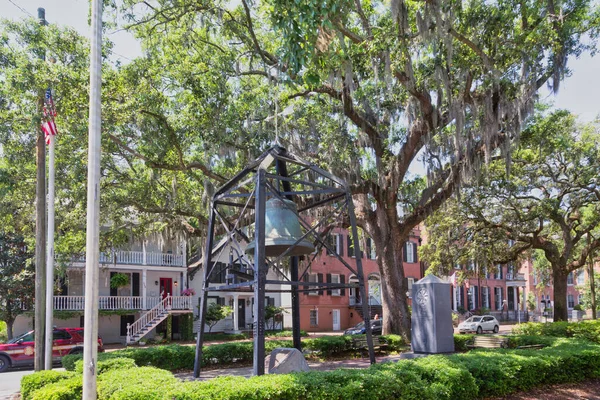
(207, 374)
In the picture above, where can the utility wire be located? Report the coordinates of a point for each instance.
(21, 8)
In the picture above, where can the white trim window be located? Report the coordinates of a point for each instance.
(314, 317)
(570, 278)
(410, 252)
(335, 278)
(498, 298)
(485, 293)
(570, 301)
(335, 242)
(580, 278)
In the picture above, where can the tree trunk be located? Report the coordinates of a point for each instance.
(9, 329)
(396, 318)
(559, 280)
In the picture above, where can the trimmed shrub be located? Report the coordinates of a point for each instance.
(460, 342)
(108, 365)
(285, 333)
(143, 383)
(224, 337)
(395, 342)
(67, 389)
(37, 380)
(589, 330)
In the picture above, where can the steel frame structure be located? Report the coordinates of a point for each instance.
(240, 203)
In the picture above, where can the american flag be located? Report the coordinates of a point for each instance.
(48, 124)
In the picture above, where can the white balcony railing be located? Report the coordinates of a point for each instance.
(515, 277)
(135, 258)
(76, 303)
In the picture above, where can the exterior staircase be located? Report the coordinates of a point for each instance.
(149, 320)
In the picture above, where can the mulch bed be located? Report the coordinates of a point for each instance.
(588, 390)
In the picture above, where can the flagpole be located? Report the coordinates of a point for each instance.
(90, 341)
(50, 255)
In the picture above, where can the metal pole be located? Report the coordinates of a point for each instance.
(40, 228)
(361, 278)
(50, 255)
(260, 275)
(592, 281)
(90, 341)
(204, 294)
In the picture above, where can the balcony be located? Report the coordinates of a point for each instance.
(121, 257)
(513, 279)
(77, 303)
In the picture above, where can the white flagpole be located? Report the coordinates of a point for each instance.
(90, 341)
(50, 256)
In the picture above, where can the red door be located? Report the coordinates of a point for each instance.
(166, 287)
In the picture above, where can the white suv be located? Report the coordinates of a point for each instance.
(479, 323)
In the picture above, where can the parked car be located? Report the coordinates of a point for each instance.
(479, 323)
(359, 329)
(19, 351)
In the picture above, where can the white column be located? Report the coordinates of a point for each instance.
(144, 289)
(184, 279)
(144, 252)
(235, 312)
(455, 298)
(516, 297)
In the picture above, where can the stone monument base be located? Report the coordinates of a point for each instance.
(284, 360)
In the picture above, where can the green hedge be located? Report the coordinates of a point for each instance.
(108, 365)
(589, 330)
(68, 389)
(176, 357)
(460, 342)
(478, 373)
(31, 383)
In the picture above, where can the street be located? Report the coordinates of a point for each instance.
(10, 382)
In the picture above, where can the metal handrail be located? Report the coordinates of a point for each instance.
(144, 320)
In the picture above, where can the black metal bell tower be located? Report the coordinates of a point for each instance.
(262, 207)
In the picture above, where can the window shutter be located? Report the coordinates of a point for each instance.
(342, 281)
(404, 253)
(476, 297)
(113, 291)
(368, 248)
(340, 245)
(135, 280)
(416, 257)
(462, 296)
(328, 277)
(350, 250)
(320, 280)
(489, 298)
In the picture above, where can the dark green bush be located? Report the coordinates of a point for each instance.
(67, 389)
(395, 342)
(460, 342)
(328, 345)
(589, 330)
(37, 380)
(107, 365)
(143, 383)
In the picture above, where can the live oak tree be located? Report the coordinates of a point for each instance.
(16, 279)
(368, 87)
(547, 207)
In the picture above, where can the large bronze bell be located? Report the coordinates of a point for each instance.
(282, 230)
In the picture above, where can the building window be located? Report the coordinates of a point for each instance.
(350, 246)
(498, 298)
(410, 252)
(314, 318)
(580, 298)
(314, 278)
(471, 266)
(335, 243)
(485, 294)
(498, 274)
(580, 278)
(570, 278)
(471, 298)
(335, 278)
(570, 301)
(409, 284)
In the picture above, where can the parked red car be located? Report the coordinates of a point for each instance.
(20, 350)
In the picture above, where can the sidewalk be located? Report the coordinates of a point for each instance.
(246, 372)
